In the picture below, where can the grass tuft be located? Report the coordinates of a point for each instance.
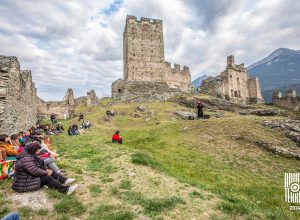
(95, 190)
(105, 212)
(144, 159)
(125, 184)
(196, 194)
(155, 206)
(70, 205)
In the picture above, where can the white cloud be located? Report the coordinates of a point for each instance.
(78, 44)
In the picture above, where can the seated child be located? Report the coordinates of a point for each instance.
(15, 142)
(45, 144)
(116, 138)
(5, 143)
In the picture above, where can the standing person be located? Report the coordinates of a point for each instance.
(200, 109)
(80, 116)
(116, 138)
(31, 173)
(53, 119)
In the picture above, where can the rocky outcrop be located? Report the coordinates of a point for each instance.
(186, 115)
(278, 150)
(212, 103)
(264, 112)
(291, 128)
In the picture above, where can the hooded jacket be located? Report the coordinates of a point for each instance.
(9, 148)
(29, 169)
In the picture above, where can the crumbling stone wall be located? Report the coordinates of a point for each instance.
(17, 97)
(92, 98)
(62, 109)
(290, 101)
(233, 84)
(139, 90)
(144, 61)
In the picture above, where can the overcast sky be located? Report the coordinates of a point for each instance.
(78, 44)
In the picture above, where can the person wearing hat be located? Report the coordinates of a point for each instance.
(31, 173)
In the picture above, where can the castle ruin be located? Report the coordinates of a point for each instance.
(61, 109)
(20, 107)
(289, 101)
(92, 99)
(146, 74)
(233, 84)
(17, 96)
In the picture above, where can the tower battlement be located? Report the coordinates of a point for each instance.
(144, 60)
(143, 19)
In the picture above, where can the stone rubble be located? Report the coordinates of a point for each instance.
(186, 115)
(290, 127)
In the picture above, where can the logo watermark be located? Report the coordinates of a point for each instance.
(292, 187)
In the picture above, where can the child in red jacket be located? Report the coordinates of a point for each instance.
(116, 138)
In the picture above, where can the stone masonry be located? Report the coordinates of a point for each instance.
(92, 99)
(290, 101)
(233, 84)
(20, 107)
(17, 97)
(62, 109)
(146, 74)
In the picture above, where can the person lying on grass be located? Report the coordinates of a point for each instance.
(116, 138)
(31, 173)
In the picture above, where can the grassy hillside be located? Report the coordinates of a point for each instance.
(169, 168)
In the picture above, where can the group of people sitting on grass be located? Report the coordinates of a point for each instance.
(74, 130)
(34, 160)
(31, 155)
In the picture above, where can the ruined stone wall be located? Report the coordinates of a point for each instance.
(233, 84)
(117, 88)
(17, 97)
(213, 86)
(290, 101)
(255, 95)
(62, 109)
(92, 99)
(141, 91)
(143, 58)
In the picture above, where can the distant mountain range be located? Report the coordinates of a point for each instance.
(280, 70)
(197, 82)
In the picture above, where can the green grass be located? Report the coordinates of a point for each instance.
(196, 194)
(152, 206)
(125, 184)
(144, 159)
(95, 190)
(215, 155)
(105, 212)
(157, 205)
(70, 205)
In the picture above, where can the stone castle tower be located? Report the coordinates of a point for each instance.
(233, 84)
(146, 74)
